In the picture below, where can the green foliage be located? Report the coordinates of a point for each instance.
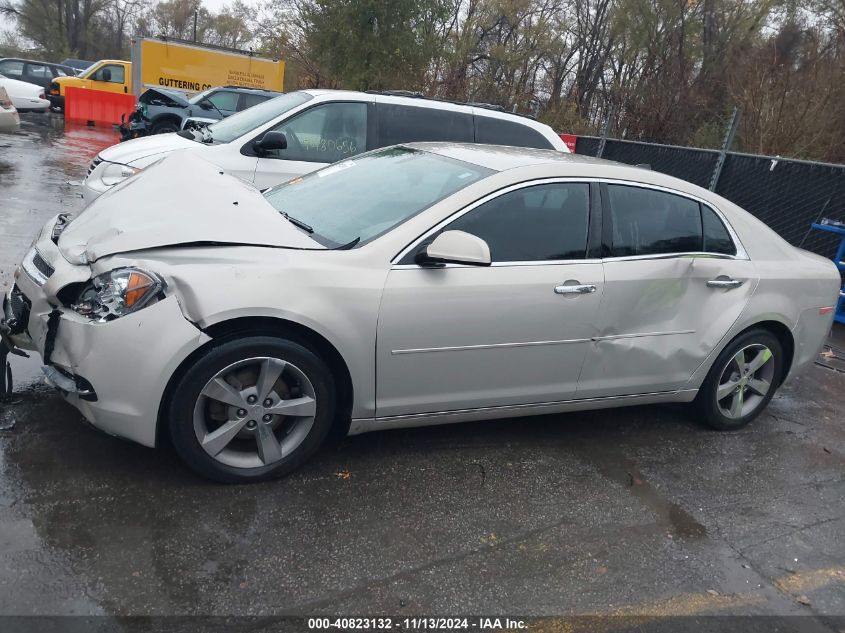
(661, 70)
(373, 44)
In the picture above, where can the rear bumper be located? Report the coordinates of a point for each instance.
(809, 334)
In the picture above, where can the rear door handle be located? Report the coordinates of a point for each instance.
(724, 282)
(580, 289)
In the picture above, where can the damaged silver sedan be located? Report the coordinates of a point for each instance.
(413, 285)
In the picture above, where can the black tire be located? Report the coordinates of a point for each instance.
(707, 405)
(187, 392)
(163, 127)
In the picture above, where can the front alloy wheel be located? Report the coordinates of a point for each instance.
(251, 409)
(254, 412)
(742, 381)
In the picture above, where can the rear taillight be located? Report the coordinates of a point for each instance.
(4, 98)
(41, 95)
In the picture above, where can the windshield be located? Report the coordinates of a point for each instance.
(362, 198)
(237, 125)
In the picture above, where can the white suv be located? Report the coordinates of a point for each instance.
(319, 127)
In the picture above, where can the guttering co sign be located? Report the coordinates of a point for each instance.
(194, 67)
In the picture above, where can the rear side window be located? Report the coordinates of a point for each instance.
(249, 100)
(11, 68)
(649, 222)
(505, 132)
(716, 236)
(406, 124)
(539, 223)
(224, 100)
(38, 72)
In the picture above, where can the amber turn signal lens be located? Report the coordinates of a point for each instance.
(139, 285)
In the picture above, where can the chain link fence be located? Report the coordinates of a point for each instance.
(786, 194)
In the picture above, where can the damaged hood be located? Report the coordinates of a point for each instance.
(175, 95)
(140, 149)
(183, 199)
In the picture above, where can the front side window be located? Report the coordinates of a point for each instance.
(110, 73)
(242, 123)
(224, 100)
(362, 198)
(406, 124)
(539, 223)
(324, 134)
(649, 222)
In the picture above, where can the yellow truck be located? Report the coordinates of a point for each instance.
(176, 64)
(108, 75)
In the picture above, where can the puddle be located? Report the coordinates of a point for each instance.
(677, 521)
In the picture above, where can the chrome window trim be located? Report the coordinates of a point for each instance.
(542, 262)
(741, 253)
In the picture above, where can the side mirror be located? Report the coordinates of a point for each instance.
(106, 74)
(271, 140)
(456, 247)
(205, 105)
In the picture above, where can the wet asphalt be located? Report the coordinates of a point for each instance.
(638, 511)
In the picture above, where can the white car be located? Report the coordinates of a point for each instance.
(299, 132)
(413, 285)
(9, 119)
(25, 97)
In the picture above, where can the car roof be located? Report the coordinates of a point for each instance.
(404, 98)
(504, 157)
(416, 99)
(33, 61)
(246, 89)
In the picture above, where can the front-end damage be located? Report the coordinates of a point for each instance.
(153, 103)
(111, 306)
(111, 364)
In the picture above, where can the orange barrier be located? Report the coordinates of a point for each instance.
(97, 106)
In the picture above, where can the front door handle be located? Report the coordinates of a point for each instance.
(724, 282)
(579, 289)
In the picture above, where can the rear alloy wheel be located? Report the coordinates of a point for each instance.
(742, 381)
(252, 409)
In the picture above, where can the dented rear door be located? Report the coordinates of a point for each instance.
(661, 313)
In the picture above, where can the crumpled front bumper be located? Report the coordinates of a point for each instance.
(135, 126)
(115, 372)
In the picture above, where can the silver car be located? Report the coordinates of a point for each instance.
(413, 285)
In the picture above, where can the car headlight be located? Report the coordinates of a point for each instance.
(114, 174)
(118, 293)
